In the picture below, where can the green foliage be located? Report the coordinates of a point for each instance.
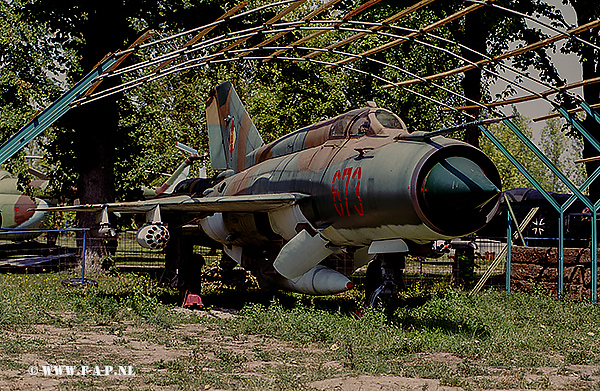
(153, 118)
(510, 176)
(562, 151)
(486, 341)
(554, 143)
(46, 46)
(32, 64)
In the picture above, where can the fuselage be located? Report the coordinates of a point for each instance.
(17, 209)
(365, 183)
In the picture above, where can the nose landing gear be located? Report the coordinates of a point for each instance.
(384, 281)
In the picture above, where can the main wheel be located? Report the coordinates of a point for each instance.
(384, 281)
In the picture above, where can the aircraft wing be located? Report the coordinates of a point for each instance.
(184, 203)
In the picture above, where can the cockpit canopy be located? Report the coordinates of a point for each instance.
(363, 122)
(368, 121)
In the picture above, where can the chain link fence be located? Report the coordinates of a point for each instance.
(61, 250)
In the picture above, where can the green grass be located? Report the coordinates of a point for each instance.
(282, 340)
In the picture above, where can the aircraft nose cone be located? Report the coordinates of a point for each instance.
(458, 195)
(458, 182)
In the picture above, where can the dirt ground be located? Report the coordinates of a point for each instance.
(49, 345)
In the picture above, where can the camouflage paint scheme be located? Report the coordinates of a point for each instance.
(362, 178)
(17, 210)
(355, 184)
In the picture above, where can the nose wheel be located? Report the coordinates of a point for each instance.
(384, 281)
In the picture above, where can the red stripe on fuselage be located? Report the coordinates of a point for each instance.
(22, 209)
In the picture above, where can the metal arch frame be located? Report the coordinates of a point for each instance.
(196, 62)
(48, 116)
(52, 113)
(257, 30)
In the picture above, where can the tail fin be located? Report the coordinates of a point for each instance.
(231, 133)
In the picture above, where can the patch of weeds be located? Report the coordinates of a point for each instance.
(190, 341)
(101, 383)
(142, 304)
(451, 380)
(577, 357)
(542, 383)
(288, 374)
(96, 306)
(453, 313)
(228, 361)
(121, 341)
(7, 363)
(116, 329)
(162, 319)
(174, 365)
(467, 368)
(563, 371)
(427, 370)
(189, 375)
(19, 345)
(262, 354)
(350, 359)
(70, 338)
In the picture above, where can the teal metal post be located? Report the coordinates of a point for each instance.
(583, 186)
(561, 252)
(548, 163)
(508, 251)
(594, 254)
(594, 247)
(588, 109)
(519, 167)
(53, 112)
(83, 258)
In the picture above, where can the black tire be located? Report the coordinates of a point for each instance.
(372, 278)
(380, 294)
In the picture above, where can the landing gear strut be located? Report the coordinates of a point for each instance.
(384, 281)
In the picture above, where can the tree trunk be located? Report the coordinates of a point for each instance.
(587, 11)
(96, 124)
(474, 36)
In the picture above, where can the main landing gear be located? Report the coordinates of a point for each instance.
(384, 280)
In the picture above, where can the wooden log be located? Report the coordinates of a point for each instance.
(114, 66)
(269, 22)
(308, 17)
(529, 97)
(202, 33)
(576, 110)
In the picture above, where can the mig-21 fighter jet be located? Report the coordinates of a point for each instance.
(360, 184)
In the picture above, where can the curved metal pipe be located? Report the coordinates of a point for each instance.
(260, 29)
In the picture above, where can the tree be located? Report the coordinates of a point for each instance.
(511, 177)
(562, 151)
(88, 31)
(31, 62)
(587, 11)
